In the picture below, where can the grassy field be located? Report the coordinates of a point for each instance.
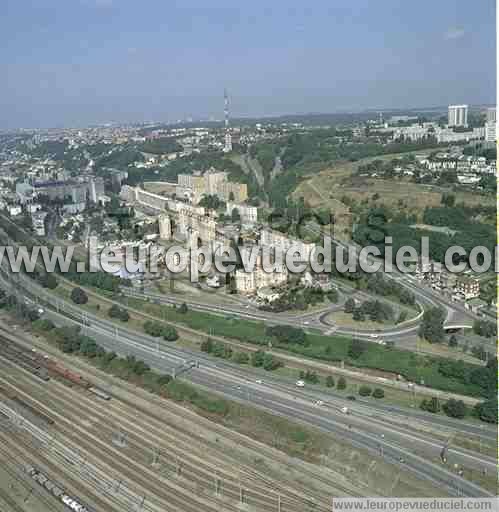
(328, 187)
(345, 320)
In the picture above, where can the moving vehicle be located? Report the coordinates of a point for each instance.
(345, 410)
(300, 383)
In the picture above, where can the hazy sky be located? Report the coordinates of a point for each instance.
(76, 62)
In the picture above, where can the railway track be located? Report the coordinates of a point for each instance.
(223, 432)
(26, 449)
(173, 496)
(202, 480)
(12, 505)
(64, 455)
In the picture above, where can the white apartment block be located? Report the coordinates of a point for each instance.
(458, 115)
(491, 115)
(490, 131)
(248, 283)
(249, 214)
(280, 242)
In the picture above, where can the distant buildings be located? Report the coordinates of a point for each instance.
(458, 115)
(248, 214)
(491, 126)
(419, 132)
(212, 182)
(491, 115)
(458, 286)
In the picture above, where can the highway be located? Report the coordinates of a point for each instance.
(368, 427)
(317, 320)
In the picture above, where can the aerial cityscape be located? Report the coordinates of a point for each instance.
(248, 257)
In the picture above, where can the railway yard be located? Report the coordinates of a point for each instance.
(106, 449)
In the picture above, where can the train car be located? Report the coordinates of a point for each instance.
(58, 369)
(55, 490)
(98, 392)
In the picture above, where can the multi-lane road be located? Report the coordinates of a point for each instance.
(386, 431)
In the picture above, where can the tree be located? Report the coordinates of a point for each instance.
(183, 308)
(48, 280)
(310, 376)
(270, 362)
(235, 215)
(357, 348)
(432, 325)
(163, 380)
(349, 306)
(358, 315)
(332, 296)
(78, 296)
(241, 358)
(453, 341)
(365, 390)
(169, 333)
(153, 328)
(484, 328)
(342, 383)
(88, 347)
(378, 393)
(116, 312)
(207, 346)
(487, 411)
(432, 405)
(222, 350)
(257, 358)
(287, 334)
(402, 317)
(455, 408)
(448, 200)
(330, 381)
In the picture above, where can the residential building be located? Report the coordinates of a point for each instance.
(490, 131)
(249, 214)
(248, 283)
(458, 115)
(280, 242)
(468, 287)
(491, 115)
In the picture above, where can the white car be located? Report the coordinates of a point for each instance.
(306, 323)
(258, 381)
(319, 402)
(300, 383)
(374, 336)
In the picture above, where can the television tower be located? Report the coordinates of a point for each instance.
(228, 137)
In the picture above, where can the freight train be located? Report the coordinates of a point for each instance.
(56, 491)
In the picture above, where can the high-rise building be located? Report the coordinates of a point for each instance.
(490, 131)
(491, 115)
(458, 115)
